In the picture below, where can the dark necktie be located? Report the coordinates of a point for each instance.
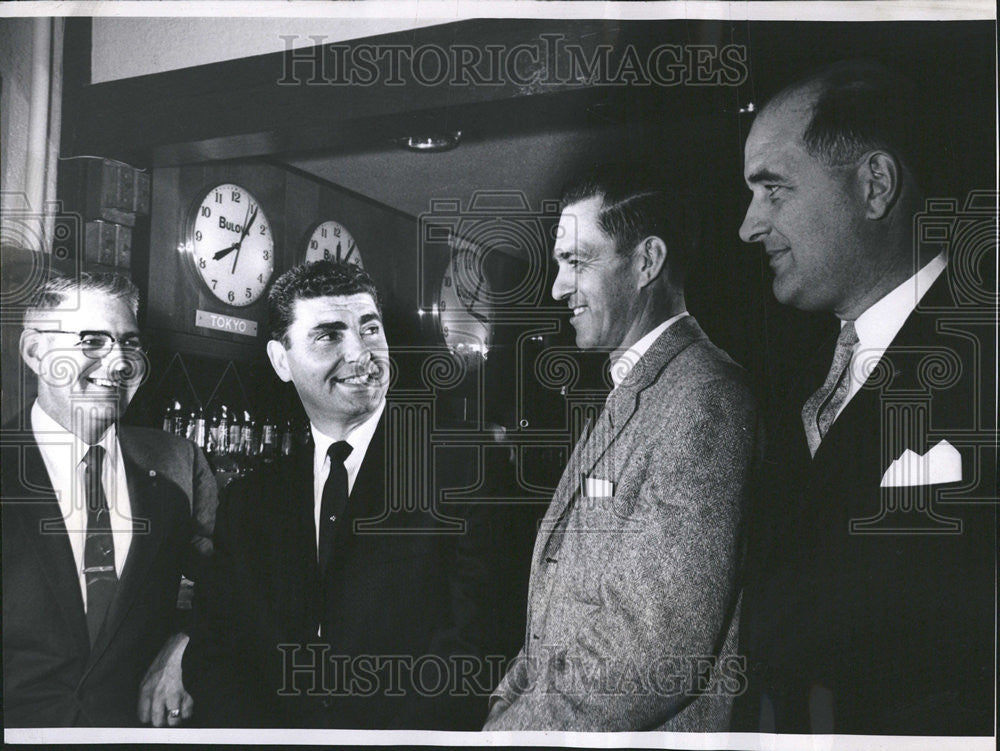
(99, 548)
(334, 501)
(820, 409)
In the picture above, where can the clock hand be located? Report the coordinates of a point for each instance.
(249, 204)
(469, 301)
(249, 224)
(246, 231)
(225, 252)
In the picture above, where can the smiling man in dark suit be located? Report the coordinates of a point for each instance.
(337, 599)
(97, 521)
(869, 598)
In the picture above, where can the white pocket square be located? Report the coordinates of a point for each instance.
(595, 487)
(941, 464)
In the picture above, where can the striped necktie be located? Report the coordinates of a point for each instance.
(99, 548)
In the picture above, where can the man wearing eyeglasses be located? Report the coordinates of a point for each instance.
(97, 520)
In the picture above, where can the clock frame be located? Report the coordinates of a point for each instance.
(228, 245)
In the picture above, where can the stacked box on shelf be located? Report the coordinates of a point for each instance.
(108, 195)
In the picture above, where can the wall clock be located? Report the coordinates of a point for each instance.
(330, 240)
(463, 311)
(229, 245)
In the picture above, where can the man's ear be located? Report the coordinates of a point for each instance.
(881, 177)
(279, 359)
(649, 258)
(29, 349)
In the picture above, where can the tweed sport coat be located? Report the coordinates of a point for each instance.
(633, 600)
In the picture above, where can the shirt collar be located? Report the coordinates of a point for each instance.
(43, 425)
(879, 324)
(622, 365)
(359, 438)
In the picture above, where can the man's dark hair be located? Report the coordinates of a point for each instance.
(635, 205)
(861, 105)
(316, 279)
(58, 288)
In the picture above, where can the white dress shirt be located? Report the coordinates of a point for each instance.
(359, 439)
(63, 453)
(622, 365)
(879, 324)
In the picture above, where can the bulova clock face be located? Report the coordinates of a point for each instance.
(331, 241)
(230, 245)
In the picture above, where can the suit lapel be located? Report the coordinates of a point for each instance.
(624, 401)
(292, 514)
(148, 499)
(893, 369)
(369, 496)
(43, 523)
(614, 418)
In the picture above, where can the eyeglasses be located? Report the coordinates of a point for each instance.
(97, 344)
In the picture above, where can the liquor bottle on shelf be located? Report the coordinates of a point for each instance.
(235, 433)
(303, 437)
(287, 440)
(211, 434)
(196, 428)
(269, 440)
(248, 443)
(221, 429)
(173, 419)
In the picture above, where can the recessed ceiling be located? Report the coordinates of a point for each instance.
(533, 165)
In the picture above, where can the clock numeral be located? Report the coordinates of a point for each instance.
(442, 306)
(446, 281)
(231, 295)
(236, 196)
(214, 282)
(326, 254)
(313, 245)
(201, 263)
(206, 211)
(260, 278)
(218, 197)
(336, 231)
(267, 255)
(444, 330)
(249, 293)
(322, 232)
(263, 230)
(197, 235)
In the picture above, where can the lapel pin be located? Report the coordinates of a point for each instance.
(152, 473)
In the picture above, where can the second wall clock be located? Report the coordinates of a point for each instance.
(331, 240)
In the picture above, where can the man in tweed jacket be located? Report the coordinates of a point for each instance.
(633, 599)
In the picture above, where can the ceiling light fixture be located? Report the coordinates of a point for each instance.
(433, 142)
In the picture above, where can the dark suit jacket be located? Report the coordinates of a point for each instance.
(867, 609)
(397, 592)
(52, 677)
